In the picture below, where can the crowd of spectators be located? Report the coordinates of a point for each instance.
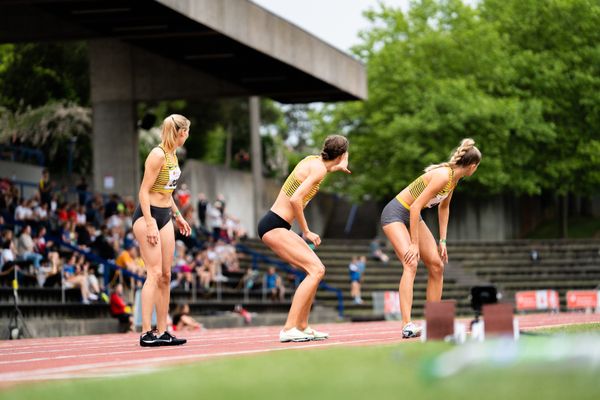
(31, 225)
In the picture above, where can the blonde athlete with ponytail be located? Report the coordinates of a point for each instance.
(153, 229)
(409, 235)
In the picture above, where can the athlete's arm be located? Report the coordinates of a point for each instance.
(438, 180)
(152, 166)
(182, 224)
(443, 216)
(315, 175)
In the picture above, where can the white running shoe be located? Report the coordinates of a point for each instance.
(294, 335)
(411, 330)
(316, 334)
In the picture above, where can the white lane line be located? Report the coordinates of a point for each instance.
(40, 374)
(187, 347)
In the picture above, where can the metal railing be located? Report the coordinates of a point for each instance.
(259, 257)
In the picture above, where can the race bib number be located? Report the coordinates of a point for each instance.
(173, 178)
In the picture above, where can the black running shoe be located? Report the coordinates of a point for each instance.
(149, 339)
(166, 339)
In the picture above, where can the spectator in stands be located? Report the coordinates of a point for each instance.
(356, 270)
(411, 238)
(182, 268)
(45, 187)
(82, 193)
(204, 269)
(377, 253)
(274, 285)
(127, 257)
(202, 204)
(183, 196)
(182, 320)
(220, 204)
(26, 248)
(249, 279)
(154, 231)
(214, 221)
(227, 256)
(102, 247)
(9, 250)
(23, 212)
(75, 277)
(119, 308)
(274, 230)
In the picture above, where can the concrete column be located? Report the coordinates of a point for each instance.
(256, 158)
(115, 137)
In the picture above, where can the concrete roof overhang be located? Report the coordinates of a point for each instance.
(235, 41)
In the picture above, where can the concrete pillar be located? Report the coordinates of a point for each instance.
(256, 158)
(115, 137)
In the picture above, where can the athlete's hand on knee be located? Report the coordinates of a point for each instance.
(443, 252)
(152, 232)
(412, 253)
(313, 237)
(183, 226)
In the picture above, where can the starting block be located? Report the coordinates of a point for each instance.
(440, 324)
(498, 320)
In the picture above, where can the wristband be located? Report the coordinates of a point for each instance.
(442, 241)
(177, 213)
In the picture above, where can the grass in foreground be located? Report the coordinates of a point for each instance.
(570, 329)
(382, 372)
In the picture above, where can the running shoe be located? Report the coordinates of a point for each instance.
(294, 335)
(166, 339)
(149, 339)
(411, 330)
(317, 335)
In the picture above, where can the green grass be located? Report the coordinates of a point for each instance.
(571, 329)
(365, 373)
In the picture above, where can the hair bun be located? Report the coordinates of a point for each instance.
(324, 155)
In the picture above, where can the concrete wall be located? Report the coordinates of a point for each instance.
(236, 186)
(21, 172)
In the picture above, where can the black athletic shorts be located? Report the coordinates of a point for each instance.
(162, 215)
(271, 221)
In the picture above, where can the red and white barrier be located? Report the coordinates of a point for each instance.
(537, 300)
(583, 299)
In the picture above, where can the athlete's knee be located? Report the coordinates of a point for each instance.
(165, 279)
(410, 267)
(436, 268)
(154, 275)
(317, 271)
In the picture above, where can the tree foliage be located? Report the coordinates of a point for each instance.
(521, 78)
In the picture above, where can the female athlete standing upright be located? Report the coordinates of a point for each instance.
(408, 233)
(153, 229)
(274, 230)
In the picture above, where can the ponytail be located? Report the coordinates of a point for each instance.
(465, 154)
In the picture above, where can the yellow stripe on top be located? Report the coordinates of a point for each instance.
(166, 181)
(418, 186)
(292, 184)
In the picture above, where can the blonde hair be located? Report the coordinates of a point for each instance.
(464, 155)
(170, 126)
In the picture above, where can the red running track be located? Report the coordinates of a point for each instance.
(118, 354)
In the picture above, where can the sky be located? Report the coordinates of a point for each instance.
(336, 22)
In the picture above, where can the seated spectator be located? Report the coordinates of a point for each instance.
(183, 268)
(75, 277)
(249, 279)
(205, 269)
(182, 320)
(119, 309)
(26, 248)
(274, 285)
(227, 256)
(127, 257)
(377, 253)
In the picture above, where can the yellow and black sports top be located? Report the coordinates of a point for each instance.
(418, 186)
(167, 178)
(292, 184)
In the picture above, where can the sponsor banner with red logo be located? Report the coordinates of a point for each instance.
(391, 303)
(578, 299)
(537, 300)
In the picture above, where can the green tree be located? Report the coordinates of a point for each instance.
(521, 78)
(33, 74)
